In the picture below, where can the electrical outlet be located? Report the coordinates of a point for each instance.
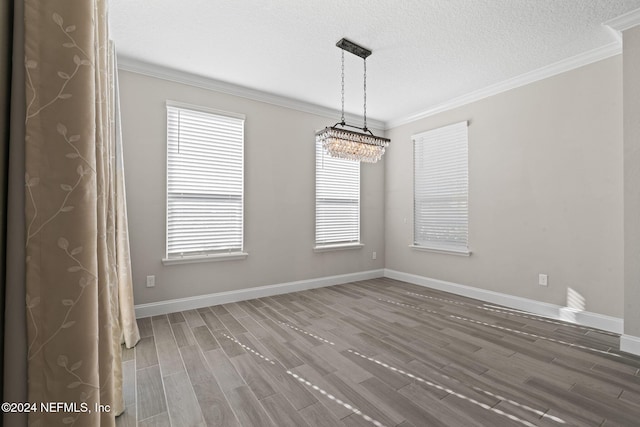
(374, 255)
(151, 281)
(543, 280)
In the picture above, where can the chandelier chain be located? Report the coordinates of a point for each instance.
(342, 118)
(365, 94)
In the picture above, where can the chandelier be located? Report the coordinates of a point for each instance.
(348, 144)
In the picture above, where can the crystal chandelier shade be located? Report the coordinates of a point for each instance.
(346, 144)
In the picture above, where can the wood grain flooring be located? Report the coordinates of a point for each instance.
(378, 352)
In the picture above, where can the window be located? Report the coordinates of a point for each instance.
(337, 200)
(204, 181)
(441, 189)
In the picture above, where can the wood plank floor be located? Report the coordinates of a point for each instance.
(377, 352)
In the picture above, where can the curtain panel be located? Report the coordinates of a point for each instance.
(78, 280)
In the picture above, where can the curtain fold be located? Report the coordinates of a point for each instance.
(130, 333)
(6, 38)
(78, 286)
(15, 334)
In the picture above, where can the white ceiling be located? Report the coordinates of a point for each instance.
(425, 52)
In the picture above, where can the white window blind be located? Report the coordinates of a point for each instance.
(204, 181)
(337, 199)
(441, 188)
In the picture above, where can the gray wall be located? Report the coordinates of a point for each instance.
(279, 196)
(631, 72)
(546, 191)
(546, 194)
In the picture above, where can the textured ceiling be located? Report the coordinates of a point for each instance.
(425, 52)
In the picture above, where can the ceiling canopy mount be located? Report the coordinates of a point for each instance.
(354, 48)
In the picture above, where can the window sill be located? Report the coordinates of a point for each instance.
(205, 258)
(441, 250)
(338, 247)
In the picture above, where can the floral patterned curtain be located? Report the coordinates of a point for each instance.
(78, 281)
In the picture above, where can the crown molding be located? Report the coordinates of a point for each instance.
(624, 22)
(127, 63)
(158, 71)
(594, 55)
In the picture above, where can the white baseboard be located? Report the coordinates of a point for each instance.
(630, 344)
(586, 318)
(190, 303)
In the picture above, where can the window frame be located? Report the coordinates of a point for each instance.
(435, 136)
(231, 253)
(321, 157)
